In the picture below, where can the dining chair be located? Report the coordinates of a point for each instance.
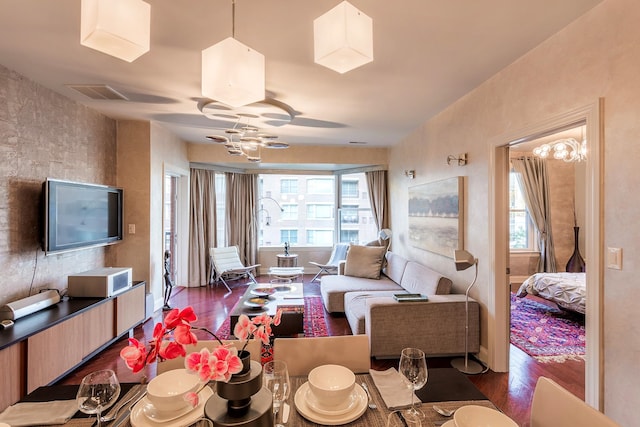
(254, 347)
(303, 354)
(225, 261)
(554, 406)
(339, 253)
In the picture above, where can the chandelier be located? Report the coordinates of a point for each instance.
(247, 141)
(567, 149)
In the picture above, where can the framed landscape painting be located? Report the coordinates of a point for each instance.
(436, 216)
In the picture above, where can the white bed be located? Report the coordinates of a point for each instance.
(568, 290)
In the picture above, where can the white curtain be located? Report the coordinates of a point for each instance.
(377, 188)
(242, 229)
(534, 184)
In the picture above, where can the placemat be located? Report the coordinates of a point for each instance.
(448, 384)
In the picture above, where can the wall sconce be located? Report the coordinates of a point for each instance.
(410, 173)
(461, 159)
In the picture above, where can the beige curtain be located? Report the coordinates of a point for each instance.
(242, 229)
(377, 187)
(202, 229)
(534, 184)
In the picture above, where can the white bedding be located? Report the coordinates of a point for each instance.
(568, 290)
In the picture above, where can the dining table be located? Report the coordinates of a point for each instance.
(370, 418)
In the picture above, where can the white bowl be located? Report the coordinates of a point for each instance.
(331, 384)
(167, 391)
(480, 416)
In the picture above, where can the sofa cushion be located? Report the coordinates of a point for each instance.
(364, 261)
(333, 288)
(355, 304)
(394, 268)
(418, 279)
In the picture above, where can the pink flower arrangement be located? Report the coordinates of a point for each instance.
(171, 337)
(259, 327)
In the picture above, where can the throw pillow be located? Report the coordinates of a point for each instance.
(364, 261)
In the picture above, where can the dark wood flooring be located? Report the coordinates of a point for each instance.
(511, 392)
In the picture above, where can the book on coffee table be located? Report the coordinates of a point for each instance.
(410, 297)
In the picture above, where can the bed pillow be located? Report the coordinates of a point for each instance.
(364, 261)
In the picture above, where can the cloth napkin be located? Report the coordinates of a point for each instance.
(392, 388)
(39, 413)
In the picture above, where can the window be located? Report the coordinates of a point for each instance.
(290, 236)
(319, 211)
(521, 230)
(350, 189)
(221, 197)
(306, 211)
(288, 186)
(320, 237)
(350, 236)
(320, 186)
(290, 211)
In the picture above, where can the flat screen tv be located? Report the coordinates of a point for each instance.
(79, 215)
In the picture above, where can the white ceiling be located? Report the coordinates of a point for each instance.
(428, 53)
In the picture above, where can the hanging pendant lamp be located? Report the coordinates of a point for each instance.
(343, 38)
(120, 28)
(232, 72)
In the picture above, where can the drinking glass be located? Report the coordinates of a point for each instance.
(98, 391)
(275, 377)
(413, 367)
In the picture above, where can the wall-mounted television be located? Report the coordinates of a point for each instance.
(79, 215)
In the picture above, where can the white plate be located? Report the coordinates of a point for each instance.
(450, 423)
(139, 419)
(346, 406)
(480, 416)
(330, 420)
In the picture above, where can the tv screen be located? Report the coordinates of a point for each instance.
(79, 215)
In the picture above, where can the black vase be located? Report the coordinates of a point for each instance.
(575, 263)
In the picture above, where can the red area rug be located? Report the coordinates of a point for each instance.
(548, 334)
(314, 324)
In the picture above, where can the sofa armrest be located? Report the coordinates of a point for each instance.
(341, 266)
(436, 326)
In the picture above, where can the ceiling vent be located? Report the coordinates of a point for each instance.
(99, 92)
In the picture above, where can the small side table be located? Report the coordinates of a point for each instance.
(290, 260)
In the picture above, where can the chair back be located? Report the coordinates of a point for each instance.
(339, 253)
(554, 406)
(226, 259)
(303, 354)
(254, 347)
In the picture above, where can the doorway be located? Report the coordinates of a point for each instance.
(498, 301)
(171, 225)
(548, 295)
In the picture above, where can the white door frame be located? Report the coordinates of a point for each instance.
(182, 212)
(498, 325)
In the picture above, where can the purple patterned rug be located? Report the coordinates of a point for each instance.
(545, 333)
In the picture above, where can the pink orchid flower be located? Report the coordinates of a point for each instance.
(134, 355)
(192, 398)
(244, 328)
(176, 317)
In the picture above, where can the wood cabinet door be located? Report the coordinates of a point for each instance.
(12, 379)
(130, 309)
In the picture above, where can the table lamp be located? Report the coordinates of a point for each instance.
(464, 260)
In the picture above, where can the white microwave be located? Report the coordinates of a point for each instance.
(100, 282)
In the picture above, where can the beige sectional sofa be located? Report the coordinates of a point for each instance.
(436, 326)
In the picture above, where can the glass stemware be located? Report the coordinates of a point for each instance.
(413, 367)
(98, 391)
(275, 377)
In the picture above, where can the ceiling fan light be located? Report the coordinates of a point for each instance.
(218, 138)
(275, 144)
(120, 28)
(343, 38)
(233, 73)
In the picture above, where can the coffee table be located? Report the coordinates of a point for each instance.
(288, 296)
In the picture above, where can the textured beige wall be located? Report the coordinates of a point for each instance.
(134, 166)
(598, 55)
(43, 134)
(216, 153)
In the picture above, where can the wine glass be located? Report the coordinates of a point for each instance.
(413, 367)
(275, 377)
(98, 391)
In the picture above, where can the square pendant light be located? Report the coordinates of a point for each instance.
(118, 28)
(233, 73)
(343, 38)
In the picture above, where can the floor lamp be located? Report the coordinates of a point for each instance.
(464, 260)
